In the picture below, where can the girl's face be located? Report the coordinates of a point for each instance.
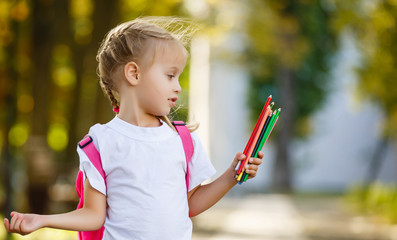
(159, 81)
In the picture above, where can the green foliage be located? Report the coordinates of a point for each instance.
(376, 199)
(293, 35)
(374, 26)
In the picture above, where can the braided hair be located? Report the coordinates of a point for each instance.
(129, 41)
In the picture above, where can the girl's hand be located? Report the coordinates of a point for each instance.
(23, 223)
(252, 167)
(239, 157)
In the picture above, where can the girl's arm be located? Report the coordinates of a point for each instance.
(205, 196)
(90, 217)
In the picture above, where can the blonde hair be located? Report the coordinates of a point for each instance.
(129, 42)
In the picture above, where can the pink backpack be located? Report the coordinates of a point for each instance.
(92, 153)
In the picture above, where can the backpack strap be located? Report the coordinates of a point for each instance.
(92, 153)
(188, 147)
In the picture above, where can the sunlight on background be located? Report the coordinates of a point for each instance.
(199, 95)
(82, 10)
(63, 74)
(50, 234)
(18, 134)
(57, 137)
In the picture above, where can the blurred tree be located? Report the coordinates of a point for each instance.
(88, 26)
(374, 26)
(289, 44)
(49, 90)
(8, 106)
(47, 19)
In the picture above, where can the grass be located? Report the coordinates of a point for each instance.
(377, 199)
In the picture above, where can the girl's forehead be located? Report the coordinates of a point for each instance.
(169, 51)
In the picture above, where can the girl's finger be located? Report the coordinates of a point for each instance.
(14, 219)
(255, 161)
(237, 160)
(7, 224)
(252, 173)
(18, 224)
(261, 154)
(251, 168)
(239, 156)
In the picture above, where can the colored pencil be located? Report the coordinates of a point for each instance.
(263, 130)
(265, 138)
(250, 149)
(253, 140)
(255, 130)
(277, 116)
(259, 136)
(257, 123)
(272, 122)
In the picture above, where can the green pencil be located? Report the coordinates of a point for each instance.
(274, 124)
(267, 134)
(268, 130)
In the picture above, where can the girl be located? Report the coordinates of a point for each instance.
(142, 154)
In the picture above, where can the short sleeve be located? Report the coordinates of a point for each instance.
(89, 170)
(200, 166)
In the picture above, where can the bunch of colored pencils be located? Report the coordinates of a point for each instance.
(263, 128)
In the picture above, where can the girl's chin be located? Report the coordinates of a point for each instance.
(163, 114)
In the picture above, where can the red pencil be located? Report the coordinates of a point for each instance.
(256, 136)
(249, 143)
(257, 124)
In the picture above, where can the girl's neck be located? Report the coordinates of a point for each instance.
(140, 120)
(131, 112)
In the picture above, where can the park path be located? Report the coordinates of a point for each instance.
(282, 217)
(268, 217)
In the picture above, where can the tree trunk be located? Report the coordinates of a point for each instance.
(376, 161)
(102, 26)
(8, 93)
(38, 155)
(282, 169)
(83, 54)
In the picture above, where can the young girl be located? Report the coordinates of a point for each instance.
(142, 155)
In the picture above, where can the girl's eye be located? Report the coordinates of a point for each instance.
(170, 76)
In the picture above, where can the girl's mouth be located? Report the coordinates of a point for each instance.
(173, 100)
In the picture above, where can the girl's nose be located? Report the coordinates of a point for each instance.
(178, 87)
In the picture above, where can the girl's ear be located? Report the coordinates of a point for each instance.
(131, 73)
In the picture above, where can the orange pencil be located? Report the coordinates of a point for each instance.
(249, 144)
(257, 123)
(251, 148)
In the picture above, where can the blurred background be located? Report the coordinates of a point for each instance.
(330, 168)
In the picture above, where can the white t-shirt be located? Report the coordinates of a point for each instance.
(145, 180)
